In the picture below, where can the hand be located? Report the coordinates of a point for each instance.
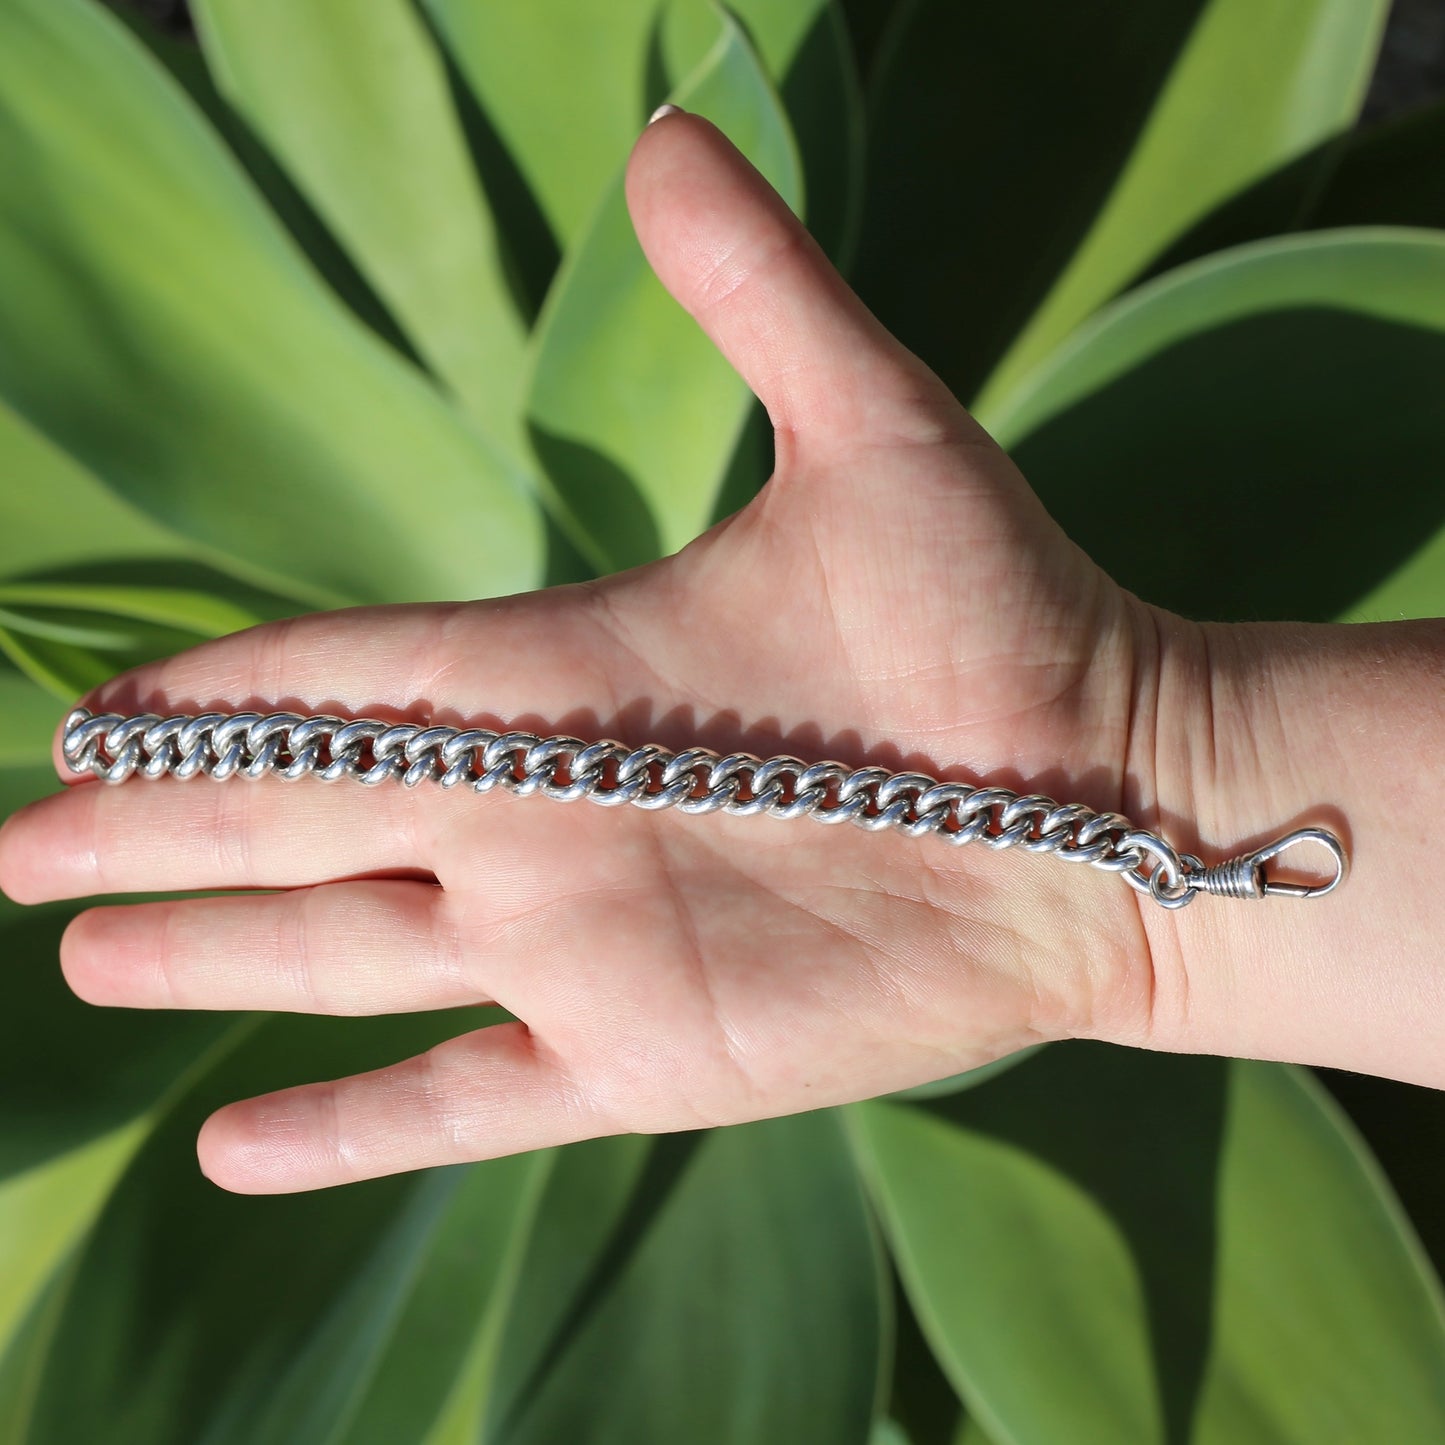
(895, 595)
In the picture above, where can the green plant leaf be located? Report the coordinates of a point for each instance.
(888, 1432)
(68, 651)
(181, 56)
(442, 1349)
(22, 1357)
(199, 1314)
(804, 48)
(552, 120)
(921, 1399)
(57, 513)
(68, 636)
(1178, 1245)
(78, 1090)
(28, 720)
(29, 717)
(1057, 150)
(353, 99)
(72, 1073)
(598, 1201)
(814, 69)
(971, 1432)
(632, 412)
(562, 89)
(45, 1209)
(737, 1300)
(1268, 395)
(198, 612)
(63, 669)
(163, 329)
(1294, 72)
(1388, 174)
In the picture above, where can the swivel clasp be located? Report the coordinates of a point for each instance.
(1244, 877)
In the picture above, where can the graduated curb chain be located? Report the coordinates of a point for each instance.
(696, 780)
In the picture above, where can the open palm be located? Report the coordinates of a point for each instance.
(895, 595)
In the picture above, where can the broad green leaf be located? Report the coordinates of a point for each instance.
(69, 652)
(56, 513)
(163, 329)
(632, 412)
(28, 720)
(1030, 153)
(22, 1358)
(443, 1347)
(1398, 1121)
(319, 1387)
(995, 133)
(803, 48)
(562, 88)
(1179, 1247)
(1416, 590)
(984, 1230)
(806, 48)
(742, 1303)
(1257, 434)
(971, 1432)
(29, 717)
(182, 57)
(197, 612)
(353, 99)
(599, 1200)
(64, 669)
(1259, 83)
(559, 93)
(1388, 174)
(200, 1314)
(920, 1399)
(1317, 1252)
(45, 1209)
(84, 629)
(889, 1432)
(79, 1087)
(71, 1073)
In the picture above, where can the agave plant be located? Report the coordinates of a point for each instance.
(342, 304)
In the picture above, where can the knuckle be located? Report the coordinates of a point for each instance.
(172, 963)
(456, 1099)
(297, 956)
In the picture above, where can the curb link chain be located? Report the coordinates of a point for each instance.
(291, 745)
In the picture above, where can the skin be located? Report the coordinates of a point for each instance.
(896, 595)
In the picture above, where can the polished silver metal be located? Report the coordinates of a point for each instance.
(696, 780)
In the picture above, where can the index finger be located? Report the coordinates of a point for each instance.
(407, 662)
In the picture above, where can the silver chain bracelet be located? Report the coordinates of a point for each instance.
(696, 780)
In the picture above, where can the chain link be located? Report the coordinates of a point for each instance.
(291, 745)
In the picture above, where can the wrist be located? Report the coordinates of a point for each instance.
(1254, 730)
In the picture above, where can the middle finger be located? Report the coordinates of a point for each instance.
(173, 834)
(342, 948)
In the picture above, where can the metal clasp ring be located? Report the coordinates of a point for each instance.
(1166, 884)
(1302, 890)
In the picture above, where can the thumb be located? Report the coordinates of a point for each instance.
(727, 247)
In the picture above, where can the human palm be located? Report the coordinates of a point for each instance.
(895, 595)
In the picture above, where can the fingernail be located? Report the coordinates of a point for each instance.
(663, 110)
